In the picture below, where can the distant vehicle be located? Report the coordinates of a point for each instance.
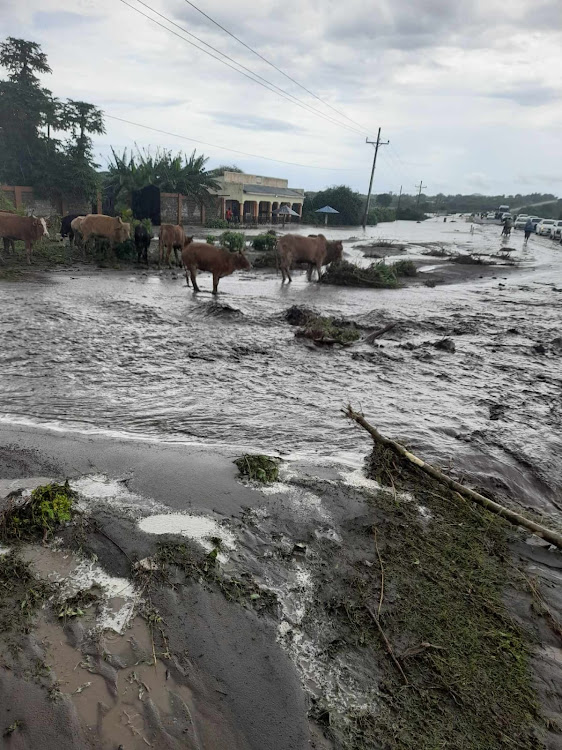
(556, 232)
(505, 216)
(520, 221)
(536, 220)
(545, 227)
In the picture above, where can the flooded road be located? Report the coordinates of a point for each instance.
(136, 354)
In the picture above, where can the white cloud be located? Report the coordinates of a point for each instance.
(465, 91)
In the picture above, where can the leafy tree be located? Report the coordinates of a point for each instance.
(23, 59)
(82, 119)
(219, 171)
(384, 200)
(342, 198)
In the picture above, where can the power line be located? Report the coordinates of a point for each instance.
(255, 52)
(249, 70)
(263, 82)
(223, 148)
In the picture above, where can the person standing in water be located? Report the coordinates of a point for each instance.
(528, 229)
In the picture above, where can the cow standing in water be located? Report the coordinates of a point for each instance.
(293, 248)
(171, 236)
(204, 257)
(334, 253)
(30, 229)
(99, 225)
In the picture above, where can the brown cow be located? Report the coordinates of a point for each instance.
(76, 230)
(26, 228)
(217, 260)
(334, 253)
(100, 225)
(293, 248)
(171, 236)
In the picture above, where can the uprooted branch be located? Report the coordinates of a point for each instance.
(515, 518)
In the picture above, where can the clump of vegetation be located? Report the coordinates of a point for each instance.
(48, 506)
(211, 239)
(405, 268)
(377, 275)
(453, 664)
(265, 260)
(469, 260)
(75, 606)
(199, 566)
(125, 250)
(234, 241)
(323, 330)
(21, 595)
(265, 242)
(258, 468)
(216, 224)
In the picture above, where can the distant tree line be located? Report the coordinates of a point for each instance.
(44, 142)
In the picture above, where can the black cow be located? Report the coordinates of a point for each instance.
(65, 228)
(142, 242)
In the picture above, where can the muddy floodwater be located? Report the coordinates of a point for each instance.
(138, 354)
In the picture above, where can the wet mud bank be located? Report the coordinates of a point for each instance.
(338, 607)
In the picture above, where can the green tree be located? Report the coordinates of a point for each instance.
(220, 170)
(82, 119)
(23, 59)
(384, 200)
(342, 198)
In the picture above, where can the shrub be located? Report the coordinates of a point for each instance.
(216, 224)
(127, 215)
(328, 331)
(234, 241)
(411, 214)
(211, 239)
(405, 268)
(264, 242)
(125, 250)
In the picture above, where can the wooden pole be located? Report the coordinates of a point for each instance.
(515, 518)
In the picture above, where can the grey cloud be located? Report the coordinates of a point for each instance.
(254, 122)
(528, 95)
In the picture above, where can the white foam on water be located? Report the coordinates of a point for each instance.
(358, 479)
(198, 528)
(4, 550)
(101, 489)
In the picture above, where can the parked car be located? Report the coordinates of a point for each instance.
(520, 221)
(545, 227)
(556, 232)
(536, 220)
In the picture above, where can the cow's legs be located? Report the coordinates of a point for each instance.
(288, 274)
(176, 254)
(319, 269)
(216, 278)
(193, 279)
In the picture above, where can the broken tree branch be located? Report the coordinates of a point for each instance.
(517, 519)
(388, 646)
(376, 334)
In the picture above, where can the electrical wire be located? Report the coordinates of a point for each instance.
(224, 148)
(250, 75)
(255, 52)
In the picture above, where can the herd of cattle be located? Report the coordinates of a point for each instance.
(313, 251)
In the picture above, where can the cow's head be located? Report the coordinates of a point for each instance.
(241, 262)
(39, 227)
(187, 241)
(123, 230)
(334, 251)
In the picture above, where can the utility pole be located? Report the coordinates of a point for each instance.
(421, 186)
(399, 199)
(376, 144)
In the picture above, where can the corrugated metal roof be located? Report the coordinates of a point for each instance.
(265, 190)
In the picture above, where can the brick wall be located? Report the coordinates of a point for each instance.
(24, 197)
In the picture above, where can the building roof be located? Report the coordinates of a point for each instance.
(265, 190)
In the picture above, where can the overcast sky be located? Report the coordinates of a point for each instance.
(469, 93)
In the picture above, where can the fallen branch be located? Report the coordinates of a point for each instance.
(376, 334)
(517, 519)
(388, 646)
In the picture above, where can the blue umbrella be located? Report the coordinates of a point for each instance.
(326, 210)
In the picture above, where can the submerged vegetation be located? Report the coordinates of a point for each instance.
(47, 507)
(258, 468)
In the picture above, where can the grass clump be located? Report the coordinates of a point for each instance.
(234, 241)
(405, 268)
(324, 330)
(377, 275)
(466, 659)
(258, 468)
(198, 566)
(21, 595)
(48, 506)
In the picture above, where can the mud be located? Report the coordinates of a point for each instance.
(143, 395)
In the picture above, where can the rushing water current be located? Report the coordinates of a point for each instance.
(139, 354)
